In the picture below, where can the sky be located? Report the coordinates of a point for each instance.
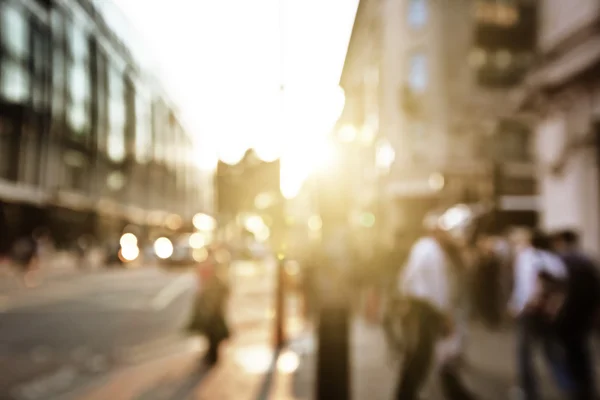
(221, 60)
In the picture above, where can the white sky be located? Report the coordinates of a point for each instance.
(221, 59)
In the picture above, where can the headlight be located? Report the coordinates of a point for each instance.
(163, 248)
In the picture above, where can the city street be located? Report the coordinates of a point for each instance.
(118, 334)
(246, 368)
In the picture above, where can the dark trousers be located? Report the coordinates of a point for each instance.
(580, 365)
(423, 329)
(531, 334)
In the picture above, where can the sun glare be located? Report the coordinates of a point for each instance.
(229, 85)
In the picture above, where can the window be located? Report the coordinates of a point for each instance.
(417, 13)
(418, 77)
(116, 110)
(497, 13)
(102, 100)
(58, 66)
(143, 129)
(79, 82)
(14, 31)
(15, 81)
(41, 63)
(160, 126)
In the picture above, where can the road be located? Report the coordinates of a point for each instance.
(119, 334)
(64, 333)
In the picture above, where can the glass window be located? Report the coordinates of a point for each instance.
(116, 133)
(79, 98)
(15, 81)
(15, 31)
(79, 83)
(143, 134)
(418, 77)
(78, 117)
(58, 69)
(417, 13)
(78, 43)
(58, 26)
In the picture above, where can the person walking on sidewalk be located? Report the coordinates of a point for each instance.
(432, 286)
(540, 277)
(24, 256)
(576, 322)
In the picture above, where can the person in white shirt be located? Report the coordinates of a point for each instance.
(532, 261)
(431, 287)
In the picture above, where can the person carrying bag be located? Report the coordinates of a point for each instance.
(539, 295)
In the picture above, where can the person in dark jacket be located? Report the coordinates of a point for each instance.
(575, 324)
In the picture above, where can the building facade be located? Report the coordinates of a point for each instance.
(89, 142)
(446, 106)
(563, 97)
(358, 130)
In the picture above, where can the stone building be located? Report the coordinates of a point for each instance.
(424, 77)
(562, 96)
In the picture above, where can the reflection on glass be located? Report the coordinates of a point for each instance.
(14, 31)
(15, 82)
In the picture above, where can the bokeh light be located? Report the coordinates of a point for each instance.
(163, 248)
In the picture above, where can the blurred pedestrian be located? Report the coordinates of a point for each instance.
(576, 321)
(537, 295)
(24, 256)
(209, 312)
(487, 283)
(432, 286)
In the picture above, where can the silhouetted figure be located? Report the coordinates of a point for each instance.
(210, 307)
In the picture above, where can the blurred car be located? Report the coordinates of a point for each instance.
(184, 250)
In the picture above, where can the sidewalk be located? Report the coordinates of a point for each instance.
(373, 372)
